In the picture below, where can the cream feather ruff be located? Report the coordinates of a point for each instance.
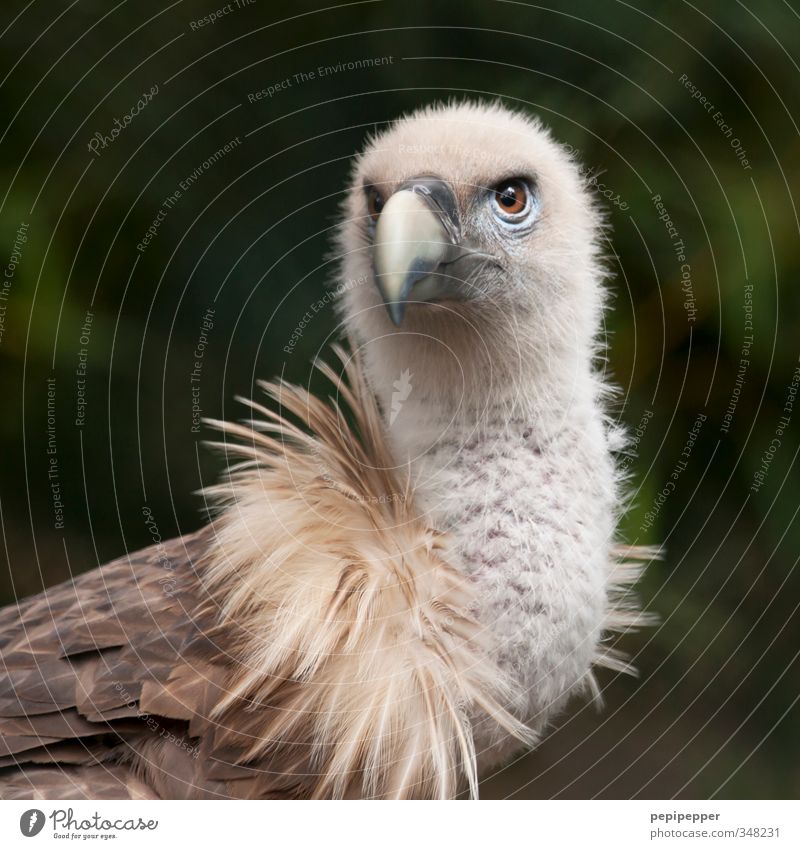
(358, 633)
(358, 636)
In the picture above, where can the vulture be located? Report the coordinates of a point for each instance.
(402, 584)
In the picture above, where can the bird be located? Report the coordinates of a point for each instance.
(400, 585)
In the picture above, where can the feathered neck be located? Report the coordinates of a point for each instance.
(459, 389)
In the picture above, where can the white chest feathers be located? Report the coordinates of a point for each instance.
(531, 517)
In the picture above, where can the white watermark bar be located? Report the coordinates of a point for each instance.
(406, 825)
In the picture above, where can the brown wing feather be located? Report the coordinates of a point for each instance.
(97, 781)
(76, 661)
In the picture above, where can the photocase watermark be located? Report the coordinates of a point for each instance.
(402, 391)
(32, 822)
(218, 14)
(183, 186)
(101, 141)
(608, 193)
(317, 73)
(168, 582)
(53, 471)
(80, 371)
(9, 272)
(331, 481)
(744, 359)
(719, 119)
(677, 471)
(206, 326)
(780, 428)
(65, 824)
(592, 178)
(679, 249)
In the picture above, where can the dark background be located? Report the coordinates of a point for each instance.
(715, 710)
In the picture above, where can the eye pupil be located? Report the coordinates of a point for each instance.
(511, 197)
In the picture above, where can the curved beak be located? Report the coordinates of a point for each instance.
(417, 231)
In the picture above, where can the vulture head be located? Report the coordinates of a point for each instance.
(469, 240)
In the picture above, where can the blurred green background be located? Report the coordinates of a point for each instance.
(695, 104)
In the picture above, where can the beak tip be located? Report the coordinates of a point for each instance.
(396, 310)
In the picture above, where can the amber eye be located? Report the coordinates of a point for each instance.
(511, 198)
(374, 202)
